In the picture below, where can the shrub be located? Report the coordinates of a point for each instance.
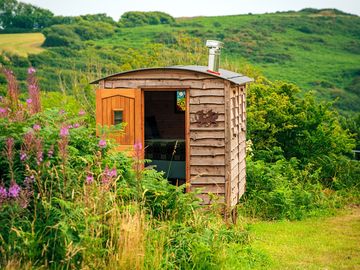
(137, 18)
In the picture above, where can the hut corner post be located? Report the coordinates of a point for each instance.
(227, 210)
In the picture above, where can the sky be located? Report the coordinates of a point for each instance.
(189, 8)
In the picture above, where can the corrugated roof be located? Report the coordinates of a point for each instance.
(234, 77)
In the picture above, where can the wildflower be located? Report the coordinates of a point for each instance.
(28, 101)
(76, 125)
(14, 190)
(64, 132)
(34, 92)
(70, 126)
(38, 145)
(51, 151)
(28, 181)
(3, 193)
(81, 112)
(112, 173)
(3, 112)
(36, 127)
(102, 143)
(62, 111)
(31, 70)
(9, 148)
(13, 88)
(89, 179)
(23, 156)
(105, 178)
(138, 146)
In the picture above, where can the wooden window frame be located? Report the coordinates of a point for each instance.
(113, 115)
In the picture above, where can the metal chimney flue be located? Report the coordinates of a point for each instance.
(214, 55)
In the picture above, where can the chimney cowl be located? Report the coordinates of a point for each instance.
(214, 55)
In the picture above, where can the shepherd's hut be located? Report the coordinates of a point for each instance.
(191, 121)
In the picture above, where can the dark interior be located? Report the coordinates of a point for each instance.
(165, 135)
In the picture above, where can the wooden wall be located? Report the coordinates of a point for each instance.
(237, 141)
(213, 167)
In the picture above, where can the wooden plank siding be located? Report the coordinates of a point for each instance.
(216, 162)
(238, 143)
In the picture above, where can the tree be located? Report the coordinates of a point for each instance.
(17, 15)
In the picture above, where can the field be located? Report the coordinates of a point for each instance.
(22, 44)
(321, 243)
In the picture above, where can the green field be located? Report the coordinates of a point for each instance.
(22, 44)
(321, 243)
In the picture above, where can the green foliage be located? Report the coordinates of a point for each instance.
(72, 34)
(298, 154)
(300, 127)
(17, 16)
(137, 18)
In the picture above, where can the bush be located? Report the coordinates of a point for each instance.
(60, 35)
(137, 18)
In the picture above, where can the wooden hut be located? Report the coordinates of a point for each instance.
(191, 121)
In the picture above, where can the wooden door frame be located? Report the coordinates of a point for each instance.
(187, 123)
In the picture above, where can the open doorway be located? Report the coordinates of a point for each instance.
(165, 142)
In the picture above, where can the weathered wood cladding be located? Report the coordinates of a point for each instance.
(238, 143)
(216, 153)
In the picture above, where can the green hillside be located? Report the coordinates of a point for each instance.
(316, 49)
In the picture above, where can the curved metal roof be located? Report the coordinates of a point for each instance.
(233, 77)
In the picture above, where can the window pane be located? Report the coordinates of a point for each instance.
(118, 117)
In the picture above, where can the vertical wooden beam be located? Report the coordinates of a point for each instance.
(227, 94)
(98, 110)
(187, 140)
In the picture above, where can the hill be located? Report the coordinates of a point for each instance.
(318, 50)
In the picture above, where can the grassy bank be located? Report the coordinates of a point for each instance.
(317, 243)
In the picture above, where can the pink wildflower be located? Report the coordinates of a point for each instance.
(64, 132)
(81, 112)
(31, 70)
(36, 127)
(29, 180)
(138, 146)
(3, 112)
(113, 173)
(76, 125)
(23, 156)
(28, 101)
(3, 193)
(102, 143)
(89, 179)
(51, 151)
(14, 190)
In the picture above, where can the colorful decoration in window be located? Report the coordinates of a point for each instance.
(180, 101)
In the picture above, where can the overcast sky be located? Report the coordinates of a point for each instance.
(189, 8)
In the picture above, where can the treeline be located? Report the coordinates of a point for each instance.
(18, 17)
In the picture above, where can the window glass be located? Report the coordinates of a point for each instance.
(118, 117)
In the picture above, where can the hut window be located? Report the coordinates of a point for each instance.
(118, 117)
(180, 105)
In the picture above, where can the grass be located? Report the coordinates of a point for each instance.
(22, 44)
(321, 243)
